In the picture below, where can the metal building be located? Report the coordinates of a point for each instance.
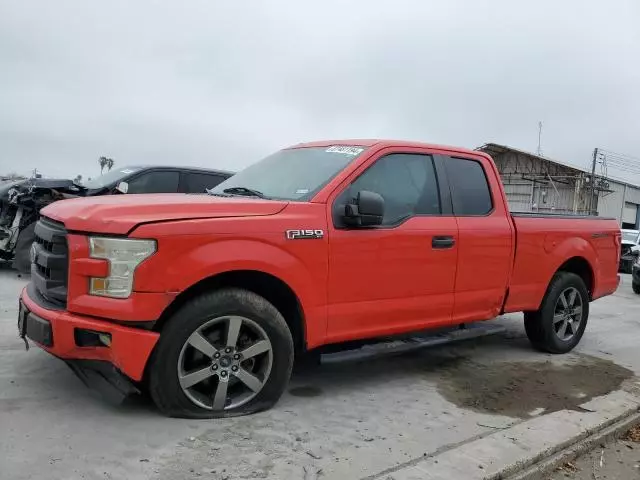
(538, 184)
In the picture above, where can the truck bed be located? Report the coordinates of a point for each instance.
(544, 242)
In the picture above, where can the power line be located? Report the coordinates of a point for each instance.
(621, 156)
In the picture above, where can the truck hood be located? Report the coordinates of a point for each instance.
(119, 214)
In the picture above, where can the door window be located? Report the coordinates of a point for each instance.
(469, 187)
(155, 182)
(407, 182)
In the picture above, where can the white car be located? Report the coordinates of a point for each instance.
(630, 239)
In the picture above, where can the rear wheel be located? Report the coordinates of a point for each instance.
(560, 323)
(223, 354)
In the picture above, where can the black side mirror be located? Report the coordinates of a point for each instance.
(367, 211)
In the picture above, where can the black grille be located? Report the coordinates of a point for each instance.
(50, 262)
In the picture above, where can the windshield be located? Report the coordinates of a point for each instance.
(631, 237)
(293, 174)
(109, 178)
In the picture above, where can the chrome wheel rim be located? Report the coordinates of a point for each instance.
(567, 316)
(225, 363)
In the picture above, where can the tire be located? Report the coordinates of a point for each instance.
(545, 330)
(22, 255)
(213, 313)
(636, 287)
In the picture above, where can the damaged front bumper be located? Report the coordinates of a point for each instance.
(105, 355)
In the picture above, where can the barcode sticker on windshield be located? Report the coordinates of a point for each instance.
(345, 150)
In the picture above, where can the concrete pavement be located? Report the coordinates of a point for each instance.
(379, 418)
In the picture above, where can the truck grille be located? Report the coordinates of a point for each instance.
(50, 262)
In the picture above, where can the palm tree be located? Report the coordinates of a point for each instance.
(105, 162)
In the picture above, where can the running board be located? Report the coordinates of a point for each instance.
(416, 342)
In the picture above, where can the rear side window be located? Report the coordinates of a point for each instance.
(469, 187)
(155, 182)
(200, 182)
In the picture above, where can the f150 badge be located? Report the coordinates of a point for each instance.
(304, 234)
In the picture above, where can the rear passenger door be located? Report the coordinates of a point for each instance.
(154, 181)
(199, 182)
(485, 233)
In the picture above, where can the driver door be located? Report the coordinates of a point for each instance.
(400, 275)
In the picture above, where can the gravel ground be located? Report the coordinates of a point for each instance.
(345, 420)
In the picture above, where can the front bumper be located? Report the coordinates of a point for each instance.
(129, 350)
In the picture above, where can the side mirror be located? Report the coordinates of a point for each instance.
(367, 211)
(122, 187)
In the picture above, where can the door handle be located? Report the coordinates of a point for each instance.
(442, 242)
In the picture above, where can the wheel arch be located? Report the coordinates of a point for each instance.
(273, 289)
(581, 267)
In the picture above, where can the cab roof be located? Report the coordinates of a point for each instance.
(384, 143)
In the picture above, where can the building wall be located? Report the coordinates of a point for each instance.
(537, 185)
(613, 204)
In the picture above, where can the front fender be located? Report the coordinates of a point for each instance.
(181, 262)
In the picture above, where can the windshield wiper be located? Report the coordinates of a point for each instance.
(247, 192)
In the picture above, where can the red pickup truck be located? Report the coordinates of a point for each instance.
(205, 300)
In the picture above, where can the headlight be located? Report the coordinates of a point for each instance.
(124, 255)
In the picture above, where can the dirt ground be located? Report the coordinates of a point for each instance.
(616, 461)
(521, 389)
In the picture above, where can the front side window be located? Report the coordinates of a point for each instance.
(110, 178)
(469, 187)
(291, 174)
(155, 182)
(407, 182)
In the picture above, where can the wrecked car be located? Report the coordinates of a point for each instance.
(21, 201)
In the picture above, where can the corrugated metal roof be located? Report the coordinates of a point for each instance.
(491, 148)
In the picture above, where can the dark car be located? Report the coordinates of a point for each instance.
(21, 201)
(635, 271)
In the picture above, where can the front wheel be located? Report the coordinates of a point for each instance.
(559, 324)
(223, 354)
(22, 255)
(636, 287)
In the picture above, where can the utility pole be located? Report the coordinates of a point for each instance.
(539, 152)
(592, 204)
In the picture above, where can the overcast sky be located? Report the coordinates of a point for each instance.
(222, 84)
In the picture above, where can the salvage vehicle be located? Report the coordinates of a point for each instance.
(20, 202)
(630, 239)
(205, 301)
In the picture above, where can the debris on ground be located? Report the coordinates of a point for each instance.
(567, 467)
(633, 435)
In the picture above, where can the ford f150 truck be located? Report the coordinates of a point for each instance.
(205, 301)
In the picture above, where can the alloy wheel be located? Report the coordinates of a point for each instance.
(567, 316)
(225, 363)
